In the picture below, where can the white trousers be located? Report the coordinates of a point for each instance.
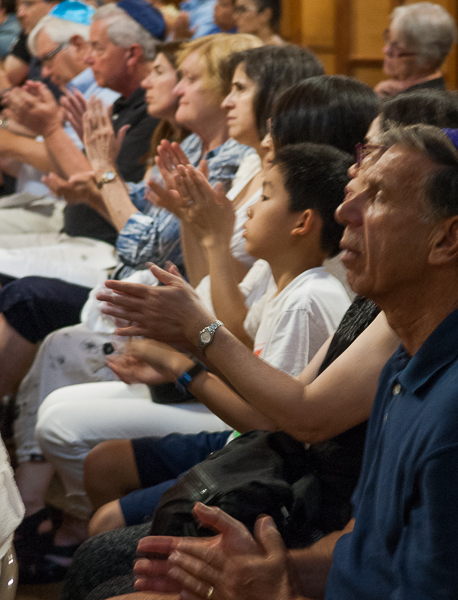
(79, 260)
(45, 217)
(74, 419)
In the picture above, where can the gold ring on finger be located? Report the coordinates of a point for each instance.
(211, 589)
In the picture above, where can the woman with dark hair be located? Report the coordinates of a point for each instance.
(259, 17)
(334, 109)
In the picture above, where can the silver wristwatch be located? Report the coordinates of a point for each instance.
(106, 178)
(207, 334)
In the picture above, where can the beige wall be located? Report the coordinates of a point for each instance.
(347, 34)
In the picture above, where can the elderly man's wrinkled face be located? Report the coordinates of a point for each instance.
(399, 62)
(107, 61)
(57, 61)
(387, 232)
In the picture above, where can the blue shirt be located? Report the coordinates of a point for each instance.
(405, 542)
(153, 233)
(9, 32)
(200, 15)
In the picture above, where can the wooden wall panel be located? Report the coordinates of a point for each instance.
(347, 34)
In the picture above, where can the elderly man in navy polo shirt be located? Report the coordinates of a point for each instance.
(401, 250)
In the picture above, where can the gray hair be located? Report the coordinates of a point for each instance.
(124, 31)
(58, 30)
(426, 28)
(441, 185)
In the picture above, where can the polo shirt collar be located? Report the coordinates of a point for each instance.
(136, 97)
(439, 350)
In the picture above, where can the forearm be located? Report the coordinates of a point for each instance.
(117, 202)
(194, 256)
(228, 405)
(310, 566)
(340, 398)
(227, 299)
(67, 157)
(25, 150)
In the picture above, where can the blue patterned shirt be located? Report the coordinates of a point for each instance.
(153, 233)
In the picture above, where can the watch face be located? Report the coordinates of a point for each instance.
(205, 337)
(109, 176)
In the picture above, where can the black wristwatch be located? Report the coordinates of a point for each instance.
(183, 380)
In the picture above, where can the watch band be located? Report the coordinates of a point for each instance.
(207, 334)
(183, 380)
(106, 178)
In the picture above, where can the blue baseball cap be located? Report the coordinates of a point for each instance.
(73, 10)
(147, 15)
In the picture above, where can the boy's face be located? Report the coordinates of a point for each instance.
(270, 220)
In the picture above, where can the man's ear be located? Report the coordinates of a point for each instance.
(305, 221)
(78, 42)
(444, 242)
(135, 55)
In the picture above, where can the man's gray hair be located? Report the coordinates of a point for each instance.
(124, 31)
(441, 185)
(426, 28)
(58, 30)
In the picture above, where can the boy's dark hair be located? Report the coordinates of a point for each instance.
(331, 109)
(315, 176)
(432, 107)
(273, 69)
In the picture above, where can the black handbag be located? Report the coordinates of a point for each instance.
(257, 473)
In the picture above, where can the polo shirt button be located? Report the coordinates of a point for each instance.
(396, 389)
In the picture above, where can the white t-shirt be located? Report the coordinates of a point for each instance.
(288, 329)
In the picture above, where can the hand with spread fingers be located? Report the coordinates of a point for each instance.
(233, 565)
(148, 362)
(80, 188)
(101, 144)
(75, 105)
(169, 157)
(208, 211)
(34, 107)
(171, 313)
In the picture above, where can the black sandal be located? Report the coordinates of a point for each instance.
(27, 539)
(45, 569)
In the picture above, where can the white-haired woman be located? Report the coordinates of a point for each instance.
(417, 43)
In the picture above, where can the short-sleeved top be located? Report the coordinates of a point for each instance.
(404, 543)
(290, 327)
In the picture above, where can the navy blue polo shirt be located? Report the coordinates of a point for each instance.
(405, 541)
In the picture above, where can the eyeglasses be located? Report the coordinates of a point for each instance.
(47, 57)
(362, 151)
(396, 50)
(241, 10)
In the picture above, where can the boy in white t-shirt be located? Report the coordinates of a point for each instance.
(292, 227)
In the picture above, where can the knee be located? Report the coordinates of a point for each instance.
(107, 518)
(101, 465)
